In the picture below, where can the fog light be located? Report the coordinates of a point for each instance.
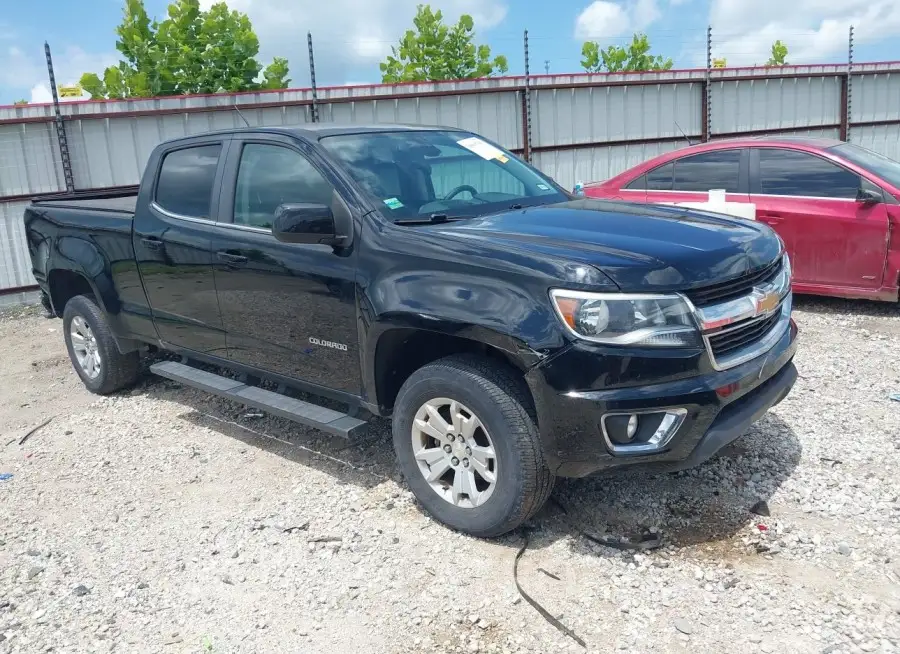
(645, 432)
(621, 428)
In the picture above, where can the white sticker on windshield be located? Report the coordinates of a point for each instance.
(483, 149)
(543, 187)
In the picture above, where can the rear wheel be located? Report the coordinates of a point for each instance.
(468, 444)
(93, 350)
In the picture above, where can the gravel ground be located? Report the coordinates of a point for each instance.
(165, 520)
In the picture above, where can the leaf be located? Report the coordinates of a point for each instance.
(93, 85)
(435, 51)
(779, 54)
(615, 59)
(189, 51)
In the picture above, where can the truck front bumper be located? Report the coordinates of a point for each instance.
(713, 407)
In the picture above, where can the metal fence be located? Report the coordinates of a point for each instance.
(583, 127)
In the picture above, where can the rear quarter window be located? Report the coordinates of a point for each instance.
(186, 180)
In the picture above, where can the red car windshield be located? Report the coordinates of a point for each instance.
(885, 168)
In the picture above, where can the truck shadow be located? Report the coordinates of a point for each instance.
(365, 461)
(705, 504)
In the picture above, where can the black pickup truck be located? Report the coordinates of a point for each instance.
(514, 332)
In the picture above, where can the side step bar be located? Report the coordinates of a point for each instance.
(333, 422)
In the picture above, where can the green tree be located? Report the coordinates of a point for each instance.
(190, 51)
(275, 75)
(615, 59)
(779, 54)
(435, 51)
(23, 101)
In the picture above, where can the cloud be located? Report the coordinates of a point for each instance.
(610, 19)
(350, 37)
(813, 30)
(20, 69)
(601, 18)
(644, 13)
(40, 93)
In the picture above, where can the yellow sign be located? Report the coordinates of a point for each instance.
(70, 91)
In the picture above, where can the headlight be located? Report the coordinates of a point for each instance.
(620, 319)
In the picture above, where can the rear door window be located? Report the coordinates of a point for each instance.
(186, 180)
(660, 179)
(703, 172)
(639, 184)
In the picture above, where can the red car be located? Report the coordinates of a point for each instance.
(835, 205)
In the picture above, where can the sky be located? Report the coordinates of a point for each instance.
(352, 36)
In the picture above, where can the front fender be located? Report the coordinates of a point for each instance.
(476, 308)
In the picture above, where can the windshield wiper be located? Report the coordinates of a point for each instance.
(433, 219)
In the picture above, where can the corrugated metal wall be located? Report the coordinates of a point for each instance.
(15, 265)
(598, 163)
(614, 113)
(583, 127)
(29, 159)
(757, 105)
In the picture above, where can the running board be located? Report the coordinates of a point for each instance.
(333, 422)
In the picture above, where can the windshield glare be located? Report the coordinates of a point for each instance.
(879, 165)
(417, 174)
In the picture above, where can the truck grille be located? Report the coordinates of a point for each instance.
(734, 288)
(735, 337)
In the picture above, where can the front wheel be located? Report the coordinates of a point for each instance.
(93, 350)
(468, 444)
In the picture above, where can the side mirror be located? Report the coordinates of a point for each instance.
(303, 222)
(868, 196)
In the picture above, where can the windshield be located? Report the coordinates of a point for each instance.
(419, 174)
(886, 169)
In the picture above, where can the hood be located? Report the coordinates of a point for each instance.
(640, 247)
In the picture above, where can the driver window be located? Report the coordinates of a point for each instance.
(457, 167)
(270, 175)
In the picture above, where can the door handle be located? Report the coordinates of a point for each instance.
(233, 259)
(153, 243)
(771, 218)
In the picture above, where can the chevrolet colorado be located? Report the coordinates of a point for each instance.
(513, 332)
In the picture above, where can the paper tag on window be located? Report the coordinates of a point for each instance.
(483, 149)
(393, 203)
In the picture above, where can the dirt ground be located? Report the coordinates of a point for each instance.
(165, 520)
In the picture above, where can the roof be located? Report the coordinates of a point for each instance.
(787, 139)
(315, 131)
(318, 130)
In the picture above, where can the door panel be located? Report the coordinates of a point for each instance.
(288, 309)
(277, 296)
(172, 238)
(810, 202)
(832, 242)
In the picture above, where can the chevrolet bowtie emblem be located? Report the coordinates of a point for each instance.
(766, 303)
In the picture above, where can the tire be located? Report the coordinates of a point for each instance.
(115, 370)
(501, 404)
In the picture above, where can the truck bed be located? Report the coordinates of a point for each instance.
(124, 204)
